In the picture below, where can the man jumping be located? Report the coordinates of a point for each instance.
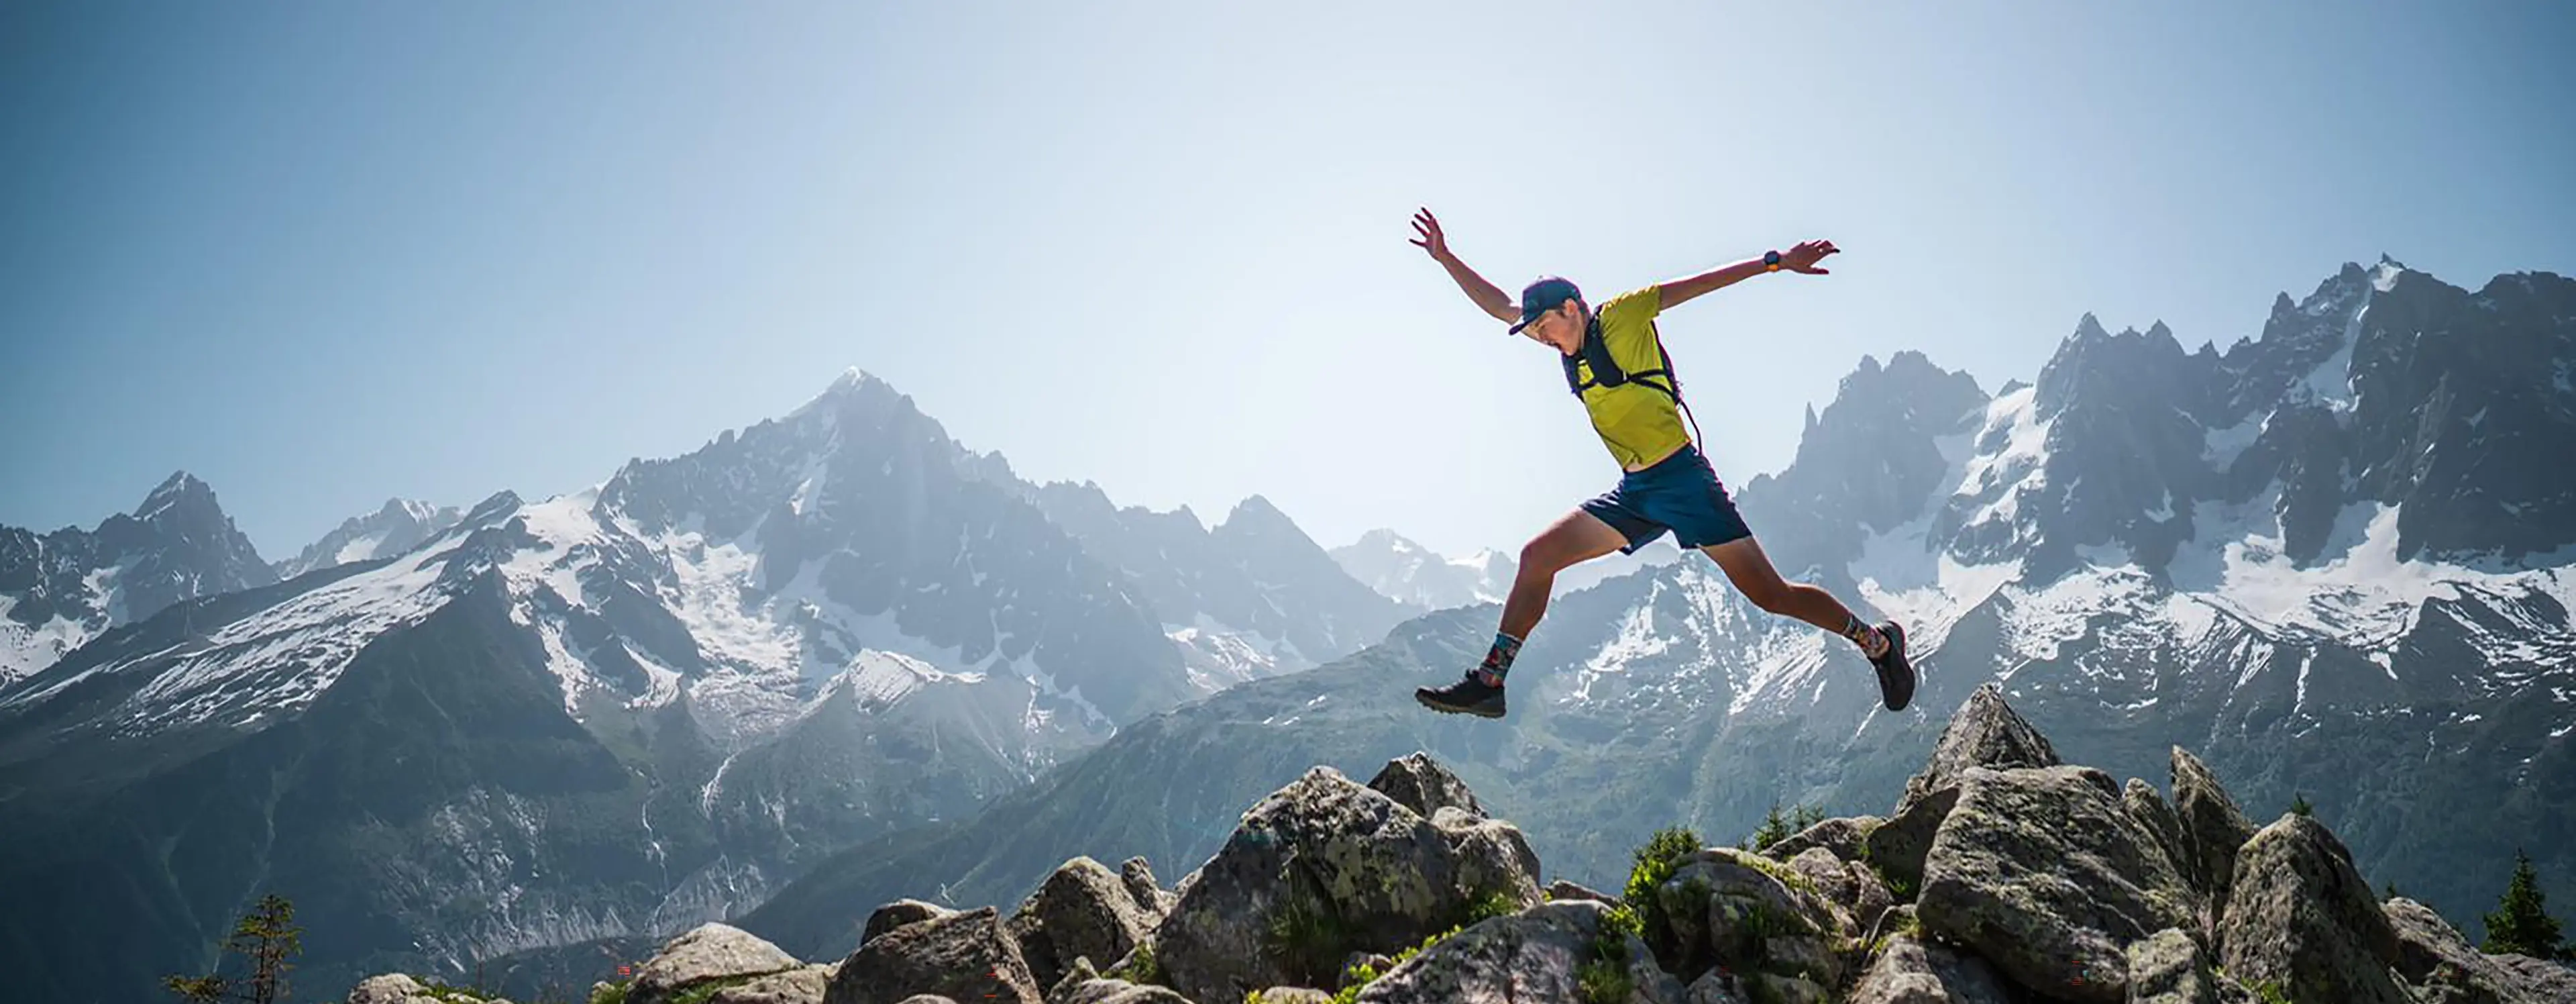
(1614, 360)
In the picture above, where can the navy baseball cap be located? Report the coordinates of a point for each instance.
(1542, 296)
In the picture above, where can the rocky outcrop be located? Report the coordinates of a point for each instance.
(2000, 877)
(2213, 828)
(1326, 866)
(2044, 873)
(1083, 910)
(1911, 971)
(2300, 918)
(706, 954)
(968, 955)
(1542, 955)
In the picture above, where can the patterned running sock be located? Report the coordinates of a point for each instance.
(1872, 643)
(1498, 662)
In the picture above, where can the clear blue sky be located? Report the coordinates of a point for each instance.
(320, 254)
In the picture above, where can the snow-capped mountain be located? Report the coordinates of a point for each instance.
(1422, 579)
(400, 526)
(1252, 597)
(60, 589)
(2338, 561)
(617, 712)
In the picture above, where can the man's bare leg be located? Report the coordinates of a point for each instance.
(1575, 538)
(1751, 572)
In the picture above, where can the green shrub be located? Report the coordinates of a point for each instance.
(1653, 865)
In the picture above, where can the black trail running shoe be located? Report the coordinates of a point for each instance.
(1895, 675)
(1469, 695)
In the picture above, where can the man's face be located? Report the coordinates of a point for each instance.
(1552, 327)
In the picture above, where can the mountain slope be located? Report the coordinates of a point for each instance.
(60, 589)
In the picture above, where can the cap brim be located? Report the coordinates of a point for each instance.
(1524, 322)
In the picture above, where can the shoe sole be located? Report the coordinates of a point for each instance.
(1456, 709)
(1886, 683)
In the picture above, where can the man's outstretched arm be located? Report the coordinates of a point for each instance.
(1488, 297)
(1802, 258)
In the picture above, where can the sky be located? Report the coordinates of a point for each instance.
(323, 254)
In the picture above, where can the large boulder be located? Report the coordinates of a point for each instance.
(393, 988)
(1985, 732)
(1846, 838)
(1112, 991)
(803, 985)
(2150, 809)
(1897, 847)
(1149, 895)
(968, 955)
(1750, 915)
(1536, 956)
(2300, 918)
(1324, 867)
(897, 914)
(1421, 784)
(705, 954)
(2169, 968)
(2044, 873)
(2444, 969)
(1912, 971)
(1562, 889)
(1083, 910)
(2213, 828)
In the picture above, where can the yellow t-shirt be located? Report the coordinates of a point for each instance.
(1639, 423)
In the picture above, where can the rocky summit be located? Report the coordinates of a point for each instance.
(1998, 876)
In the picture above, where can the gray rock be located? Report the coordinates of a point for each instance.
(1079, 973)
(1713, 988)
(1898, 846)
(1984, 732)
(1748, 914)
(2444, 969)
(795, 986)
(2150, 809)
(2213, 828)
(1847, 838)
(1107, 991)
(2537, 980)
(2044, 873)
(1564, 890)
(1295, 995)
(391, 988)
(1083, 909)
(1871, 899)
(1532, 957)
(1141, 886)
(968, 956)
(1420, 783)
(1832, 878)
(2298, 916)
(926, 999)
(899, 913)
(1358, 963)
(1911, 971)
(707, 952)
(1324, 867)
(2170, 968)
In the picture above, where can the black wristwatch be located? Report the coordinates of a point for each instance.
(1771, 261)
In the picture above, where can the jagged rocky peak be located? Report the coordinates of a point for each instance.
(180, 496)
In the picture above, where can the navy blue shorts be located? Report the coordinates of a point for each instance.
(1679, 493)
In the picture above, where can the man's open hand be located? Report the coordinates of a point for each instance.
(1804, 257)
(1431, 240)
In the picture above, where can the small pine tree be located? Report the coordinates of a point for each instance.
(2299, 804)
(2521, 922)
(266, 936)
